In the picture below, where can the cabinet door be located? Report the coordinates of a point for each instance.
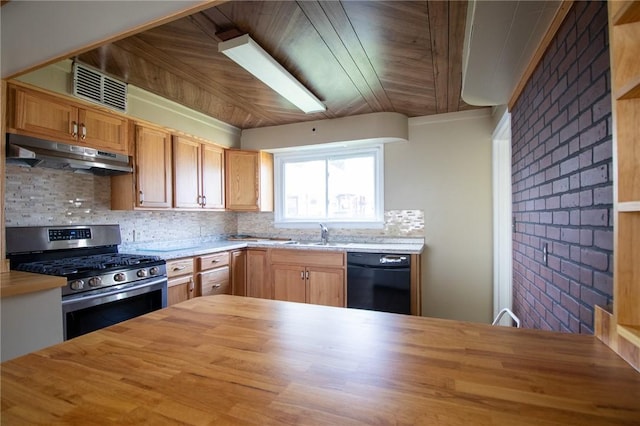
(45, 116)
(186, 168)
(242, 186)
(153, 167)
(180, 289)
(215, 281)
(239, 273)
(212, 176)
(289, 283)
(258, 282)
(326, 286)
(103, 131)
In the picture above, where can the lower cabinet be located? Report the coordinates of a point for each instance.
(320, 286)
(309, 277)
(181, 285)
(258, 282)
(238, 272)
(213, 274)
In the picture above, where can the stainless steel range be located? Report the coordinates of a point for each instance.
(104, 287)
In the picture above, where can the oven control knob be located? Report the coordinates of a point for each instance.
(154, 271)
(95, 281)
(142, 273)
(119, 277)
(77, 285)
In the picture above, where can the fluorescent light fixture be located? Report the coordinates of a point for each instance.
(253, 58)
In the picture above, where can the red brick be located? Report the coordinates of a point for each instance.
(603, 282)
(552, 202)
(586, 276)
(570, 165)
(561, 313)
(586, 237)
(561, 218)
(560, 185)
(596, 259)
(570, 200)
(586, 159)
(561, 156)
(561, 282)
(570, 304)
(603, 239)
(574, 217)
(595, 176)
(597, 217)
(594, 135)
(603, 151)
(570, 269)
(570, 235)
(586, 198)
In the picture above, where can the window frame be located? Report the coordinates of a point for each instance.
(282, 157)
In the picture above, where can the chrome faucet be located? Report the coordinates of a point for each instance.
(324, 234)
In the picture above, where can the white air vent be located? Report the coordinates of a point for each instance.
(93, 86)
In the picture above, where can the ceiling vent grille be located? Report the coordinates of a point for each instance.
(96, 87)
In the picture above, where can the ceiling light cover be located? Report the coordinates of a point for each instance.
(253, 58)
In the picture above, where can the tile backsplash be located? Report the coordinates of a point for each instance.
(42, 196)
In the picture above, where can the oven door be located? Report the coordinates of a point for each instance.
(87, 313)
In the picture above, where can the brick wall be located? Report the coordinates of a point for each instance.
(562, 179)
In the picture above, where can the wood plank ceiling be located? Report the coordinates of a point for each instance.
(358, 57)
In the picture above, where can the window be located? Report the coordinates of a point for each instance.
(343, 187)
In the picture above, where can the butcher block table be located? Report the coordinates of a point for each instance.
(235, 360)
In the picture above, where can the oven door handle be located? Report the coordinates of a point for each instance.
(72, 304)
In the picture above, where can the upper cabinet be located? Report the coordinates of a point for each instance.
(153, 167)
(249, 180)
(198, 170)
(150, 185)
(59, 119)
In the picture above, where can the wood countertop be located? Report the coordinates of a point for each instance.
(236, 360)
(13, 283)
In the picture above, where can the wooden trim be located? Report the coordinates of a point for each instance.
(3, 115)
(607, 330)
(416, 284)
(558, 19)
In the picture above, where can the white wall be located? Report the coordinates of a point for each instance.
(445, 170)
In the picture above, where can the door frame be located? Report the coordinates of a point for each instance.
(502, 217)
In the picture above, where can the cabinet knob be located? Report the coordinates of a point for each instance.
(141, 197)
(74, 132)
(179, 268)
(84, 131)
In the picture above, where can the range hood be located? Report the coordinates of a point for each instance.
(34, 152)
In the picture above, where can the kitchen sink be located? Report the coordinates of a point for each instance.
(312, 243)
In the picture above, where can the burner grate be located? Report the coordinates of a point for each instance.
(86, 264)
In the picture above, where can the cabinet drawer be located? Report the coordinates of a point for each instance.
(215, 281)
(179, 267)
(308, 257)
(212, 261)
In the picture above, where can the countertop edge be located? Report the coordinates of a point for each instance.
(14, 283)
(234, 245)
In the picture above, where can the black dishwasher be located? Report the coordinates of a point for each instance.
(379, 282)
